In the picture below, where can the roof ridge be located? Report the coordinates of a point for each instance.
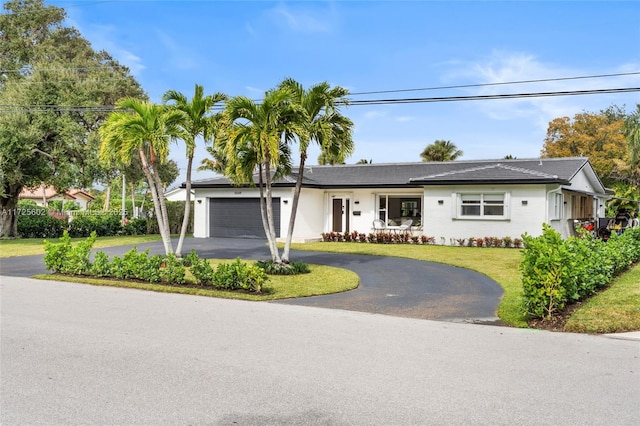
(528, 171)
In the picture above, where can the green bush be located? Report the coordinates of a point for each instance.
(173, 270)
(239, 275)
(104, 225)
(293, 268)
(202, 271)
(557, 272)
(35, 222)
(64, 258)
(136, 226)
(101, 266)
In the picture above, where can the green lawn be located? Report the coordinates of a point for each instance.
(33, 246)
(321, 280)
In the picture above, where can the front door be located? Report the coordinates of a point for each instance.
(340, 213)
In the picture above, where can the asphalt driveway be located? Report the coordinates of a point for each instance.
(390, 286)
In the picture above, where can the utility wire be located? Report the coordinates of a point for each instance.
(107, 108)
(464, 86)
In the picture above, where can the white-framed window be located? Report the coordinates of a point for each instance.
(394, 208)
(557, 206)
(482, 205)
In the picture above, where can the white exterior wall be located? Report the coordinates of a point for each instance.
(309, 218)
(439, 222)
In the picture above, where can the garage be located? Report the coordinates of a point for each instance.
(239, 217)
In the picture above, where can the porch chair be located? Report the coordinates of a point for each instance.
(405, 225)
(379, 226)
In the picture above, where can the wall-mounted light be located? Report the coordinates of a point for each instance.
(441, 202)
(285, 201)
(356, 202)
(199, 201)
(525, 202)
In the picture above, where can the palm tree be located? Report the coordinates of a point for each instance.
(319, 121)
(144, 128)
(254, 136)
(195, 121)
(441, 150)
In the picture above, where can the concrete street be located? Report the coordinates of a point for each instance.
(78, 354)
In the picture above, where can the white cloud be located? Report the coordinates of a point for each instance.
(302, 18)
(104, 37)
(501, 67)
(178, 55)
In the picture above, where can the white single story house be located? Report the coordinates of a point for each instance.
(446, 200)
(42, 196)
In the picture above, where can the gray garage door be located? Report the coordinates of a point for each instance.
(239, 217)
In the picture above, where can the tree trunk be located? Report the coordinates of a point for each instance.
(134, 212)
(163, 209)
(160, 217)
(294, 209)
(187, 209)
(273, 246)
(107, 199)
(263, 211)
(9, 212)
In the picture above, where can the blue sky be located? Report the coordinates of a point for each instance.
(247, 47)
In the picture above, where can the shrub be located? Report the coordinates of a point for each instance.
(38, 223)
(293, 268)
(105, 225)
(238, 275)
(556, 272)
(136, 226)
(64, 258)
(173, 271)
(203, 272)
(55, 254)
(101, 266)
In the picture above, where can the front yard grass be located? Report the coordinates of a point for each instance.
(321, 280)
(34, 246)
(614, 310)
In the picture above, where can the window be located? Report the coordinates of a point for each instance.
(557, 203)
(482, 205)
(393, 209)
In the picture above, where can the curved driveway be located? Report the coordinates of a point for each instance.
(391, 286)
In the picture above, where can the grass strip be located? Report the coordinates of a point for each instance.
(34, 246)
(321, 280)
(614, 310)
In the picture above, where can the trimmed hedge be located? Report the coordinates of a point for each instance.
(557, 272)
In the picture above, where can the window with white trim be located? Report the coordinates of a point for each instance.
(481, 205)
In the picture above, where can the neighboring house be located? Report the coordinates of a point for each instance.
(78, 196)
(445, 200)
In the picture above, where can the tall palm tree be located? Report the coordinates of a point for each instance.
(441, 150)
(195, 122)
(144, 128)
(319, 121)
(254, 135)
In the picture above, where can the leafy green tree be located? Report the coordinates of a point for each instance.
(317, 120)
(598, 136)
(196, 121)
(55, 90)
(441, 150)
(146, 129)
(254, 135)
(364, 161)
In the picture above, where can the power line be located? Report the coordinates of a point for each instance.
(107, 108)
(464, 86)
(490, 97)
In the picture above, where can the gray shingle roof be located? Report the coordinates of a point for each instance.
(398, 175)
